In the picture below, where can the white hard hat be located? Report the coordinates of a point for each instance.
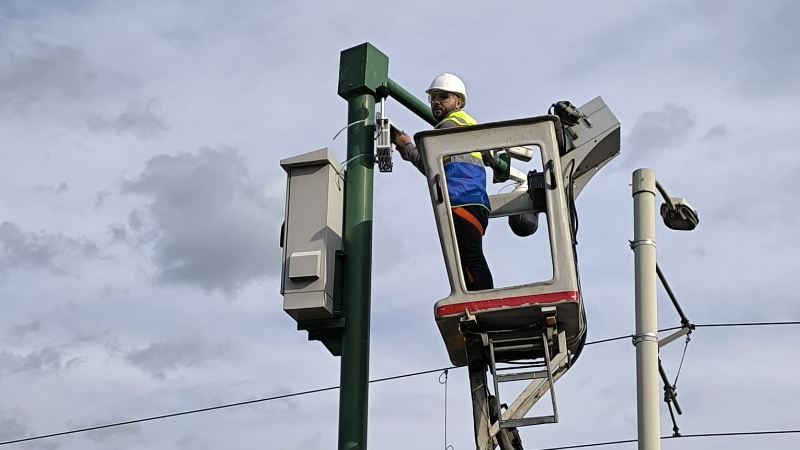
(450, 83)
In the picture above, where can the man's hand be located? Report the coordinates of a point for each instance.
(487, 158)
(401, 140)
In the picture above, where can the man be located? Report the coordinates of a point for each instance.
(465, 176)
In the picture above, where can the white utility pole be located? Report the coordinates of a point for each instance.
(646, 338)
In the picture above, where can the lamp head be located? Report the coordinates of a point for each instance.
(682, 218)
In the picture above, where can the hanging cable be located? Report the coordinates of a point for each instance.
(350, 125)
(375, 137)
(505, 186)
(446, 447)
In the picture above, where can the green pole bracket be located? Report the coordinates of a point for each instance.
(362, 70)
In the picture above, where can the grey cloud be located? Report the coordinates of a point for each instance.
(53, 190)
(52, 252)
(658, 130)
(40, 362)
(743, 44)
(14, 425)
(11, 427)
(18, 333)
(30, 327)
(159, 357)
(118, 232)
(192, 443)
(719, 131)
(26, 10)
(43, 74)
(142, 120)
(211, 224)
(100, 199)
(135, 220)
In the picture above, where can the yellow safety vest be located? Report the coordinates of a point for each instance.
(462, 119)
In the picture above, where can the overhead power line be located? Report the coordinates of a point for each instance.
(165, 416)
(395, 377)
(706, 325)
(701, 435)
(748, 324)
(211, 408)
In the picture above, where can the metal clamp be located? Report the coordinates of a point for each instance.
(645, 337)
(648, 241)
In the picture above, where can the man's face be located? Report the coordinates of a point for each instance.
(442, 103)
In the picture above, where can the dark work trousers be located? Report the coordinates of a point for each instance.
(470, 226)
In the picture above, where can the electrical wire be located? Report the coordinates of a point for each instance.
(594, 444)
(573, 220)
(704, 325)
(747, 324)
(378, 380)
(700, 435)
(211, 408)
(603, 341)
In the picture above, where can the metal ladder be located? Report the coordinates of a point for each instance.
(494, 427)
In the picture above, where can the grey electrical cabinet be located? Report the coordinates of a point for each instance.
(312, 234)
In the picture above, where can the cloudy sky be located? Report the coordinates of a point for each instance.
(141, 200)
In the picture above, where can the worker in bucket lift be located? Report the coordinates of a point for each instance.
(465, 177)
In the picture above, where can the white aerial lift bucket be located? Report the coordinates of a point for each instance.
(543, 319)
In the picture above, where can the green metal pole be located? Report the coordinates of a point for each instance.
(407, 99)
(362, 70)
(354, 393)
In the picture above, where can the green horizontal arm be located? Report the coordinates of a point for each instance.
(408, 100)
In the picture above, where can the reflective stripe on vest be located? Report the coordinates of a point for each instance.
(462, 119)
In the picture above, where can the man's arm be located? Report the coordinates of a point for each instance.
(410, 152)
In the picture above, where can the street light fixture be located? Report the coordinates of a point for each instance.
(677, 213)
